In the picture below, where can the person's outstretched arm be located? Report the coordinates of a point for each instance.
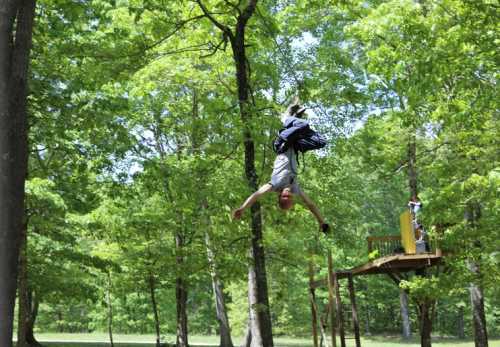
(251, 200)
(314, 210)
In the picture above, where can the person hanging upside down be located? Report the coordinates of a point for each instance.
(284, 182)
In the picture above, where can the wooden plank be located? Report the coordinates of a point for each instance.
(384, 238)
(389, 264)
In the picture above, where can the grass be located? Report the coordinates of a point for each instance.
(101, 340)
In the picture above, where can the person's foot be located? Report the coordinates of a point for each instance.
(325, 229)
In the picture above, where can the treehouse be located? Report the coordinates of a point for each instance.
(393, 255)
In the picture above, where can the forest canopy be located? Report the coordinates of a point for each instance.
(149, 122)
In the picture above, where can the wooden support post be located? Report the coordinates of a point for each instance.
(330, 299)
(314, 312)
(340, 313)
(355, 321)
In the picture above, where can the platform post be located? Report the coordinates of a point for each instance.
(355, 321)
(314, 312)
(340, 311)
(330, 299)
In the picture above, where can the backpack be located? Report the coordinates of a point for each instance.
(297, 133)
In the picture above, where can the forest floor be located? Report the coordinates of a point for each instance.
(102, 340)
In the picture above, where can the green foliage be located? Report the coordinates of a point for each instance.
(135, 139)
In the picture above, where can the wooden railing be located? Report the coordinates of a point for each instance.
(385, 245)
(391, 244)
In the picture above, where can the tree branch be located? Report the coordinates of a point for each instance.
(218, 24)
(178, 27)
(236, 7)
(247, 12)
(195, 48)
(222, 43)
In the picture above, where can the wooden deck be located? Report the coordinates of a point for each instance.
(395, 263)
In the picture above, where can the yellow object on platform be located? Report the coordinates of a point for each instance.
(407, 235)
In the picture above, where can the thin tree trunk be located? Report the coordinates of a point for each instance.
(181, 297)
(460, 323)
(322, 326)
(60, 327)
(259, 316)
(30, 335)
(110, 310)
(405, 314)
(220, 304)
(16, 18)
(367, 321)
(180, 284)
(154, 306)
(217, 286)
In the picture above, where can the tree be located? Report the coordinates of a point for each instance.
(258, 301)
(16, 24)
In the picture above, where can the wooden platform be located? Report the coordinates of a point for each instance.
(395, 263)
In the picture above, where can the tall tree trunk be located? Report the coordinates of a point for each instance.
(180, 283)
(154, 305)
(16, 18)
(259, 316)
(220, 304)
(425, 317)
(405, 314)
(478, 316)
(110, 310)
(472, 215)
(217, 286)
(181, 296)
(258, 299)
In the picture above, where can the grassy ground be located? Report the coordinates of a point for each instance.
(100, 340)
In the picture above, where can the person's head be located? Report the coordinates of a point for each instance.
(285, 199)
(297, 110)
(414, 198)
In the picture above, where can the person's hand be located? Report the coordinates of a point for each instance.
(237, 213)
(325, 228)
